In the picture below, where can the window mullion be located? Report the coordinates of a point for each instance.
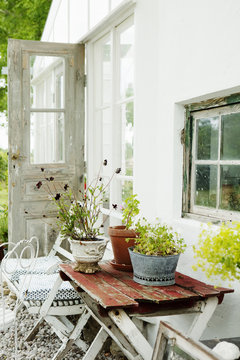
(193, 173)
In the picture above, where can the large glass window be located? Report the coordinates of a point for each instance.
(215, 174)
(113, 99)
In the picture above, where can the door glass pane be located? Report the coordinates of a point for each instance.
(207, 138)
(230, 187)
(206, 185)
(230, 149)
(126, 62)
(46, 138)
(45, 72)
(127, 138)
(106, 72)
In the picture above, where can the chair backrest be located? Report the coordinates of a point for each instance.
(24, 253)
(58, 249)
(20, 257)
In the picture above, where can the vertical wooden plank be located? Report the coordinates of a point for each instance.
(14, 132)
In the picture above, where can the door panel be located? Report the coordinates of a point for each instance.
(46, 130)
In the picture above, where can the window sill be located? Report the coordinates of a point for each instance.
(203, 218)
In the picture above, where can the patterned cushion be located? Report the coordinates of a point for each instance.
(40, 265)
(37, 287)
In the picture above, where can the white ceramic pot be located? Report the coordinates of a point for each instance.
(87, 254)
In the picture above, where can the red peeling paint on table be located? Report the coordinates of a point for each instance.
(111, 289)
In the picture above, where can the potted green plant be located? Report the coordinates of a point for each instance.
(79, 218)
(155, 253)
(218, 251)
(3, 229)
(119, 234)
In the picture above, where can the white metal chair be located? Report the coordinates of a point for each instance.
(36, 286)
(16, 252)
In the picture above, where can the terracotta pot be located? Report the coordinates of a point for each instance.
(118, 234)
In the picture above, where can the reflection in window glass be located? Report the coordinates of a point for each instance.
(206, 185)
(127, 138)
(230, 149)
(207, 138)
(107, 140)
(126, 62)
(47, 138)
(127, 189)
(59, 92)
(44, 70)
(230, 187)
(106, 72)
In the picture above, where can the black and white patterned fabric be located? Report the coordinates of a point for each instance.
(40, 265)
(35, 288)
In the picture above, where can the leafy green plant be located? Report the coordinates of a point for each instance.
(130, 211)
(3, 224)
(218, 251)
(157, 239)
(79, 209)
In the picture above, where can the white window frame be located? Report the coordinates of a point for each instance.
(190, 209)
(94, 153)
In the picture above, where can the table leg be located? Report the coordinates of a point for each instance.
(73, 338)
(96, 345)
(200, 321)
(132, 333)
(111, 329)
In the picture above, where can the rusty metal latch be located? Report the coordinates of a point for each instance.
(17, 156)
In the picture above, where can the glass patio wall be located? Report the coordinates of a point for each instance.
(84, 15)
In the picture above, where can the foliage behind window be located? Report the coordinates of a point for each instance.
(23, 19)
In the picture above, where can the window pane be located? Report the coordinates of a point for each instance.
(107, 140)
(115, 3)
(230, 187)
(127, 138)
(47, 138)
(98, 9)
(106, 72)
(45, 86)
(206, 185)
(126, 62)
(207, 138)
(127, 189)
(230, 149)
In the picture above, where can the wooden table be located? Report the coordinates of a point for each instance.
(117, 303)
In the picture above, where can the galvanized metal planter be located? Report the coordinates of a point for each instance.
(153, 270)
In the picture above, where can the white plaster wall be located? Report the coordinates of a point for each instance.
(186, 50)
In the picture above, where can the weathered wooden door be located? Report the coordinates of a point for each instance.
(46, 131)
